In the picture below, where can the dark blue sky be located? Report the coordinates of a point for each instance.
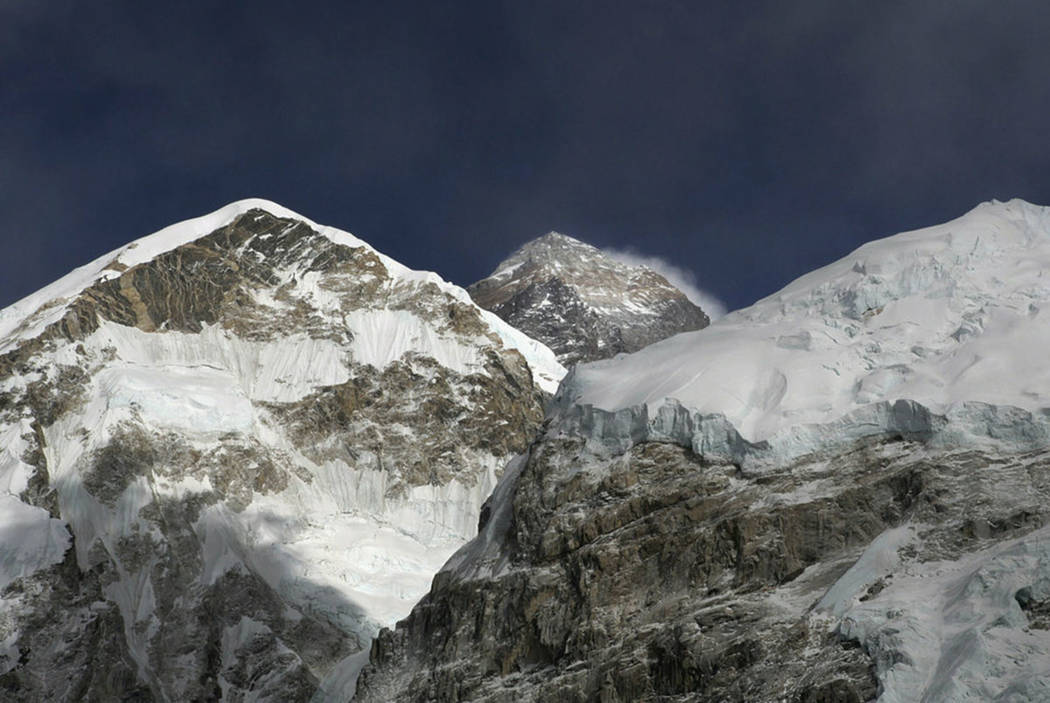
(746, 141)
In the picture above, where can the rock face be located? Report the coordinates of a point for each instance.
(583, 304)
(766, 534)
(656, 574)
(231, 451)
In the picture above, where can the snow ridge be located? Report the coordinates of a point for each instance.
(935, 337)
(28, 317)
(941, 316)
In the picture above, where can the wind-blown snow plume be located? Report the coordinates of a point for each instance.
(874, 437)
(681, 278)
(584, 303)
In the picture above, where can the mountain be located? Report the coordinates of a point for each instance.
(841, 493)
(582, 303)
(232, 450)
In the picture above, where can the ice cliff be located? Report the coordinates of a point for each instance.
(838, 493)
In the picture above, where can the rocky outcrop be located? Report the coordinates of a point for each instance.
(650, 572)
(583, 304)
(235, 449)
(837, 494)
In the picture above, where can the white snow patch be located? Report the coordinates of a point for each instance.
(954, 630)
(283, 370)
(384, 336)
(30, 540)
(879, 559)
(14, 473)
(341, 534)
(201, 400)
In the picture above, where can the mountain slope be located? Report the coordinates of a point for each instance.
(235, 448)
(942, 315)
(583, 304)
(839, 493)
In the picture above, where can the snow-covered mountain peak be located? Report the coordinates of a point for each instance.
(284, 251)
(942, 315)
(860, 457)
(553, 238)
(573, 262)
(140, 251)
(970, 254)
(583, 303)
(544, 246)
(248, 438)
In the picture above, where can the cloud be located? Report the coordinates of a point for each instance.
(682, 279)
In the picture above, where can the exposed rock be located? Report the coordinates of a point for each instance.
(242, 445)
(583, 304)
(837, 494)
(655, 574)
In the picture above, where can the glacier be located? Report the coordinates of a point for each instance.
(936, 335)
(848, 477)
(940, 316)
(921, 352)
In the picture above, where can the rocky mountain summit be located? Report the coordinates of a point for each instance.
(232, 450)
(582, 303)
(841, 493)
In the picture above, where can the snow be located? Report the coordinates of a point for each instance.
(342, 534)
(623, 291)
(936, 335)
(341, 683)
(953, 630)
(940, 316)
(30, 540)
(384, 336)
(283, 370)
(200, 400)
(483, 556)
(337, 541)
(28, 317)
(879, 559)
(336, 544)
(14, 473)
(547, 371)
(136, 252)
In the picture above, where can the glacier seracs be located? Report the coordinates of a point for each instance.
(940, 316)
(938, 334)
